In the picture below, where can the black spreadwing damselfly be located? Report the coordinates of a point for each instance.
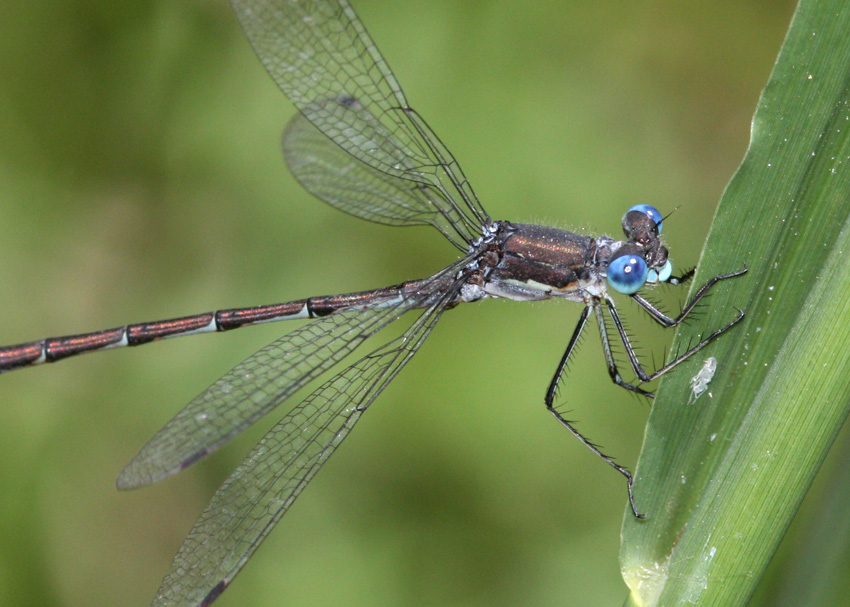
(358, 145)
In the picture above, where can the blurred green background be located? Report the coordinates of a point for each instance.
(140, 178)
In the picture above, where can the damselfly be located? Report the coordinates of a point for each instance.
(358, 145)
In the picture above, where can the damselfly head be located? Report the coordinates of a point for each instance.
(642, 258)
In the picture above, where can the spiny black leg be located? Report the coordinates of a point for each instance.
(638, 369)
(553, 388)
(665, 320)
(559, 372)
(699, 346)
(599, 453)
(609, 356)
(606, 348)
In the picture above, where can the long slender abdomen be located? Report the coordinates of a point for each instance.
(53, 349)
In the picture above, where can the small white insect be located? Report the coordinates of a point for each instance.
(699, 382)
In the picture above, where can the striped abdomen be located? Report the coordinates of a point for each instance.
(56, 348)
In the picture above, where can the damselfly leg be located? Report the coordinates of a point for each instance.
(596, 304)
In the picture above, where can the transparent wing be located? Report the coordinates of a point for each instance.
(332, 174)
(260, 491)
(254, 387)
(321, 56)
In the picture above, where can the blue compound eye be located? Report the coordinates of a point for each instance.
(650, 211)
(627, 274)
(662, 275)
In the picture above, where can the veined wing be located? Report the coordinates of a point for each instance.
(332, 174)
(256, 386)
(320, 55)
(260, 491)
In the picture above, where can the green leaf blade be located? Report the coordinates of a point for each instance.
(722, 477)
